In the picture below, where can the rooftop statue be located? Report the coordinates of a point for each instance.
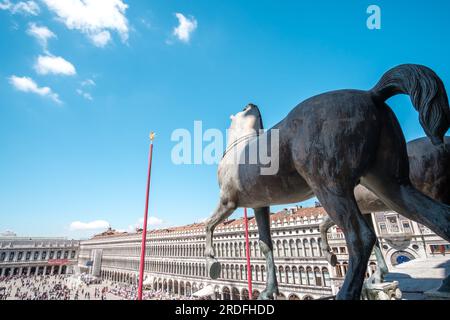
(328, 145)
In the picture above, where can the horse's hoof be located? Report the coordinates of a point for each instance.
(331, 258)
(214, 268)
(268, 294)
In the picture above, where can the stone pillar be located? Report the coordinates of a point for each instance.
(29, 271)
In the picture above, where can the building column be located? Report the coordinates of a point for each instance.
(29, 271)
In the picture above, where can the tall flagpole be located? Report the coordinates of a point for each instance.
(144, 227)
(247, 252)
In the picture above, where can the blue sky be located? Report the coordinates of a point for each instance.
(74, 147)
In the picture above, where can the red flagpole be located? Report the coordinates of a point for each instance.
(247, 251)
(144, 227)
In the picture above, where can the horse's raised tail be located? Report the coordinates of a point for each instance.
(427, 94)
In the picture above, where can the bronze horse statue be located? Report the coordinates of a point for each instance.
(429, 173)
(328, 145)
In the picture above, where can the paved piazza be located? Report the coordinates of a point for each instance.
(63, 287)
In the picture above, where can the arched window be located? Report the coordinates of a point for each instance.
(319, 244)
(288, 276)
(299, 248)
(345, 267)
(326, 277)
(313, 247)
(310, 276)
(292, 248)
(285, 248)
(306, 247)
(338, 270)
(263, 273)
(318, 277)
(257, 251)
(279, 249)
(257, 273)
(281, 274)
(303, 278)
(294, 275)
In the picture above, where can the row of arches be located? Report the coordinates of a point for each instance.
(281, 248)
(187, 289)
(306, 247)
(122, 277)
(310, 276)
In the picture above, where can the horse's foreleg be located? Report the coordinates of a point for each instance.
(265, 243)
(326, 224)
(223, 211)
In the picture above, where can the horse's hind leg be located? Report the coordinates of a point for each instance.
(341, 206)
(389, 180)
(265, 242)
(223, 211)
(382, 269)
(412, 204)
(326, 224)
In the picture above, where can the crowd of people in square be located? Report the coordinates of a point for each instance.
(67, 287)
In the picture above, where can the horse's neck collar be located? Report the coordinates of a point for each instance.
(241, 139)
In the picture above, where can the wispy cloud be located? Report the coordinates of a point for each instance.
(88, 83)
(93, 225)
(85, 95)
(186, 26)
(54, 65)
(26, 84)
(96, 19)
(41, 33)
(22, 7)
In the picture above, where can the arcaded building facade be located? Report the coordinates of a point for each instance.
(37, 256)
(175, 260)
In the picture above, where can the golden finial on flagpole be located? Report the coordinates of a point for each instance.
(152, 136)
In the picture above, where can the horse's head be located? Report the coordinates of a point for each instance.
(247, 121)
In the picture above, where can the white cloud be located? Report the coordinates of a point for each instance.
(85, 95)
(151, 221)
(94, 18)
(54, 65)
(26, 84)
(41, 33)
(22, 7)
(185, 27)
(94, 225)
(88, 83)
